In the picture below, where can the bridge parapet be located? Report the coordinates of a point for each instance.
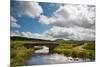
(50, 45)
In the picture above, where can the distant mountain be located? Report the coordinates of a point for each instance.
(25, 38)
(59, 40)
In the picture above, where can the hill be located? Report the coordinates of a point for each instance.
(25, 39)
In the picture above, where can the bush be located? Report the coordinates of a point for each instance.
(37, 47)
(75, 54)
(68, 53)
(83, 54)
(91, 55)
(19, 54)
(90, 46)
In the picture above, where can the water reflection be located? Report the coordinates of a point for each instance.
(43, 50)
(42, 56)
(52, 59)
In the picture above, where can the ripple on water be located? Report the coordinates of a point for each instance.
(39, 59)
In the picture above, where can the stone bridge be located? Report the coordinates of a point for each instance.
(50, 45)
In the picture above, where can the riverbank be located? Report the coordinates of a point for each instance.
(78, 51)
(42, 59)
(42, 56)
(74, 50)
(19, 54)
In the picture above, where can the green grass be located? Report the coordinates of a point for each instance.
(81, 49)
(90, 46)
(84, 50)
(38, 47)
(19, 53)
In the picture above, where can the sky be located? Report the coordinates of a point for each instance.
(52, 21)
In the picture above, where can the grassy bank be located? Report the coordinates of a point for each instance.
(19, 53)
(80, 49)
(85, 50)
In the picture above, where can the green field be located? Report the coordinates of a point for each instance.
(20, 54)
(84, 50)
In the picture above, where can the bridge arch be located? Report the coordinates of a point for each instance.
(51, 46)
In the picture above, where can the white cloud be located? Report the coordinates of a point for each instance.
(29, 8)
(73, 33)
(71, 22)
(36, 35)
(13, 23)
(15, 33)
(75, 22)
(71, 15)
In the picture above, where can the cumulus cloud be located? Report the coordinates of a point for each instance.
(13, 22)
(28, 8)
(31, 35)
(71, 22)
(75, 22)
(36, 35)
(76, 33)
(71, 15)
(15, 33)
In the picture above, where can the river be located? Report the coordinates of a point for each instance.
(42, 57)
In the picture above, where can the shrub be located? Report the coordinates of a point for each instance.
(75, 54)
(19, 54)
(91, 55)
(38, 47)
(90, 46)
(83, 54)
(68, 52)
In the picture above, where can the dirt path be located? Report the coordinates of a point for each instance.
(79, 47)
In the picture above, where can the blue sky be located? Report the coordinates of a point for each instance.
(52, 20)
(32, 24)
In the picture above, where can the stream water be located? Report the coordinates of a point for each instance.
(42, 57)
